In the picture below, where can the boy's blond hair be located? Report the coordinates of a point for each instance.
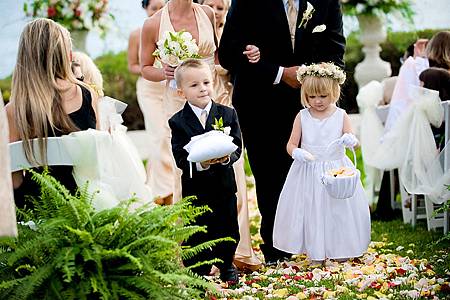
(312, 85)
(188, 64)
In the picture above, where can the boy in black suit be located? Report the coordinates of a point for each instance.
(212, 181)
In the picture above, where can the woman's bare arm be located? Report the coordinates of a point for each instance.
(133, 52)
(149, 36)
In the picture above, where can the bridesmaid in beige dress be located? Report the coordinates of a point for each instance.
(8, 225)
(244, 258)
(176, 15)
(150, 100)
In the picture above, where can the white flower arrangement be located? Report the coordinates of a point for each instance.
(378, 7)
(175, 47)
(74, 15)
(328, 70)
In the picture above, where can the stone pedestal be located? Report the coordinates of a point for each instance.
(79, 40)
(372, 67)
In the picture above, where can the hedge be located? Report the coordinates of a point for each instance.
(120, 84)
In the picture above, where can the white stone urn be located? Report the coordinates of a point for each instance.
(373, 32)
(79, 40)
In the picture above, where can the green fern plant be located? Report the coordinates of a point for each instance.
(74, 252)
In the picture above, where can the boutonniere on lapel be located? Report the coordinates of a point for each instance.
(218, 125)
(307, 15)
(319, 28)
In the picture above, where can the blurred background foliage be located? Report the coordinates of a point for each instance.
(119, 83)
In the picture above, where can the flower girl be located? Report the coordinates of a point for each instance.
(309, 220)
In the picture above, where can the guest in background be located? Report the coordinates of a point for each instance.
(437, 79)
(433, 53)
(46, 100)
(150, 99)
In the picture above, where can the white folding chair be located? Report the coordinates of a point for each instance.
(446, 105)
(427, 212)
(441, 220)
(382, 113)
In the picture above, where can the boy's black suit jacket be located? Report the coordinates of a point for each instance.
(217, 182)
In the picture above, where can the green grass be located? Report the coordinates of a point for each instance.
(422, 243)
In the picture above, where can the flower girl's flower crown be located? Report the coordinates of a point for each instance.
(328, 70)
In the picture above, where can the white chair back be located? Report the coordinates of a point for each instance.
(57, 154)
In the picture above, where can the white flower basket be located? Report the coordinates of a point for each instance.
(342, 187)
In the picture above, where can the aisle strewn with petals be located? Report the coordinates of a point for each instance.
(382, 273)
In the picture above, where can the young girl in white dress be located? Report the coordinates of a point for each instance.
(308, 220)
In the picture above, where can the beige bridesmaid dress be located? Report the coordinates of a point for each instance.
(150, 96)
(8, 225)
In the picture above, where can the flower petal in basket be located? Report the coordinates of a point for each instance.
(212, 144)
(341, 187)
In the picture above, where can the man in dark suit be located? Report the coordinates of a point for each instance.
(212, 181)
(266, 94)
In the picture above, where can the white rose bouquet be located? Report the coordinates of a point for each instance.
(175, 47)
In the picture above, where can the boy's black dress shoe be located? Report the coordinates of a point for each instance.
(229, 275)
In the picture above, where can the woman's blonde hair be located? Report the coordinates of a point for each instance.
(312, 85)
(92, 75)
(438, 50)
(43, 57)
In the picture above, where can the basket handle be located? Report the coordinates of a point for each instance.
(353, 150)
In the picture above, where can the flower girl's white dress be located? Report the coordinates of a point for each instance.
(308, 220)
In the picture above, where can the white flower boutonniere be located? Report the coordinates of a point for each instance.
(319, 28)
(307, 15)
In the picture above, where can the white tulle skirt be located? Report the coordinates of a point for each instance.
(309, 221)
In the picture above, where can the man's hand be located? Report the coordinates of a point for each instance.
(290, 77)
(252, 53)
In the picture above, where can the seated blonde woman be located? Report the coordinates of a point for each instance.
(46, 100)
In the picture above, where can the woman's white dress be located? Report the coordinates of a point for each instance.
(308, 220)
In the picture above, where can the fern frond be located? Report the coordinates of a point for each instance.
(190, 252)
